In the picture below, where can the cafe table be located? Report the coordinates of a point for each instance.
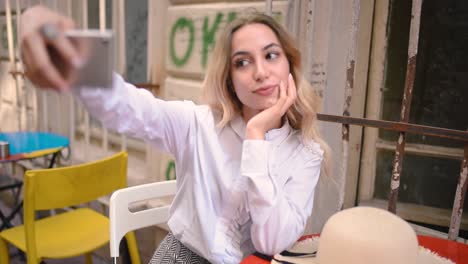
(23, 146)
(455, 251)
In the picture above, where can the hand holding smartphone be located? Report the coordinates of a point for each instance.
(95, 49)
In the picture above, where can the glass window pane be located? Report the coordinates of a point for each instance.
(440, 93)
(395, 68)
(425, 180)
(93, 14)
(396, 59)
(136, 29)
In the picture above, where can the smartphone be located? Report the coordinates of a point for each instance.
(96, 49)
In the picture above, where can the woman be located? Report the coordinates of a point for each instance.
(247, 162)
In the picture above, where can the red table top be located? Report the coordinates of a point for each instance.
(457, 252)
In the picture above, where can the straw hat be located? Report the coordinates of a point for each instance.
(363, 235)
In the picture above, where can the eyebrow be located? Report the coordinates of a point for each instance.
(241, 52)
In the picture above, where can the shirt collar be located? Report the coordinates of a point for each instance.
(276, 135)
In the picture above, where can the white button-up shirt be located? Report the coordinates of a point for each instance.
(234, 196)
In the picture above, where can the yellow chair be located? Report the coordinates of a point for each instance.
(74, 232)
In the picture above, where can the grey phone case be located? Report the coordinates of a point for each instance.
(96, 48)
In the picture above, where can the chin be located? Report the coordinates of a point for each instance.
(270, 102)
(261, 105)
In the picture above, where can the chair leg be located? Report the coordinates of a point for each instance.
(89, 258)
(4, 254)
(133, 248)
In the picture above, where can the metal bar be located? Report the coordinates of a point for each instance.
(398, 126)
(87, 125)
(459, 198)
(119, 24)
(84, 14)
(406, 104)
(268, 7)
(148, 86)
(102, 15)
(119, 27)
(350, 65)
(13, 65)
(45, 107)
(102, 27)
(9, 23)
(52, 160)
(20, 80)
(71, 101)
(309, 38)
(292, 17)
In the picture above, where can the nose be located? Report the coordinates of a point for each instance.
(261, 71)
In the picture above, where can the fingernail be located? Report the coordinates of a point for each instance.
(290, 76)
(78, 63)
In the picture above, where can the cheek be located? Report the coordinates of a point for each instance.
(240, 85)
(241, 92)
(239, 79)
(285, 70)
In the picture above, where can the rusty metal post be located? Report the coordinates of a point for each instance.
(309, 38)
(406, 104)
(459, 198)
(350, 68)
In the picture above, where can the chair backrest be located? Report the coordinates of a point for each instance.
(61, 187)
(123, 221)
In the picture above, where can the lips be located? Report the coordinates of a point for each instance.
(266, 90)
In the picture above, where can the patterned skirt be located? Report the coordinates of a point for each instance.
(172, 250)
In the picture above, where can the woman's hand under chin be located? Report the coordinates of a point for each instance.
(270, 118)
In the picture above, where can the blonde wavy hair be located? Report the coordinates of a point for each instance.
(219, 93)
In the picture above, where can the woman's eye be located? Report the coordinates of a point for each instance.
(272, 56)
(241, 63)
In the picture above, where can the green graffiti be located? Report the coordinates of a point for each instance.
(180, 24)
(170, 171)
(231, 16)
(209, 36)
(208, 33)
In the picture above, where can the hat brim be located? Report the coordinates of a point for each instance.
(425, 256)
(307, 246)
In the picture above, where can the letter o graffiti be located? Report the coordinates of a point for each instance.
(180, 24)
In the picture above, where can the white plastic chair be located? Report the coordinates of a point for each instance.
(123, 221)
